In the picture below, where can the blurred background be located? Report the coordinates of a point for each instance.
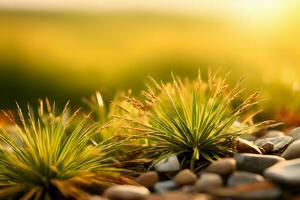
(69, 49)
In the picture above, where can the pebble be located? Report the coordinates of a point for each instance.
(154, 197)
(292, 151)
(126, 192)
(185, 177)
(295, 133)
(187, 188)
(268, 147)
(241, 177)
(96, 197)
(148, 179)
(253, 191)
(176, 196)
(208, 182)
(245, 146)
(272, 133)
(254, 162)
(179, 196)
(170, 164)
(279, 142)
(223, 166)
(165, 186)
(285, 172)
(202, 197)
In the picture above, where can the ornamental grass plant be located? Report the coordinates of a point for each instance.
(133, 151)
(194, 120)
(50, 157)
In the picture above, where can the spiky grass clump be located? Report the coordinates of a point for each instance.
(192, 119)
(47, 159)
(132, 151)
(105, 114)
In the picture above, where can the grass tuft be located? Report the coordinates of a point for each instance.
(49, 157)
(194, 120)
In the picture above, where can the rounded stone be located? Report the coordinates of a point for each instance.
(272, 133)
(285, 172)
(268, 147)
(185, 196)
(185, 177)
(223, 166)
(208, 182)
(252, 191)
(202, 197)
(126, 192)
(176, 196)
(295, 133)
(148, 179)
(170, 164)
(187, 188)
(154, 197)
(96, 197)
(245, 146)
(279, 143)
(292, 151)
(165, 186)
(240, 178)
(254, 162)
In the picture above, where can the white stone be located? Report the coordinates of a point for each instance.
(165, 186)
(126, 192)
(168, 165)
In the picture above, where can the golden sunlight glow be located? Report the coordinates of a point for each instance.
(259, 11)
(296, 85)
(260, 6)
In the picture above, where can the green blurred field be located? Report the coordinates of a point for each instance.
(69, 55)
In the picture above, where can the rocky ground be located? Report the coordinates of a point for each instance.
(266, 167)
